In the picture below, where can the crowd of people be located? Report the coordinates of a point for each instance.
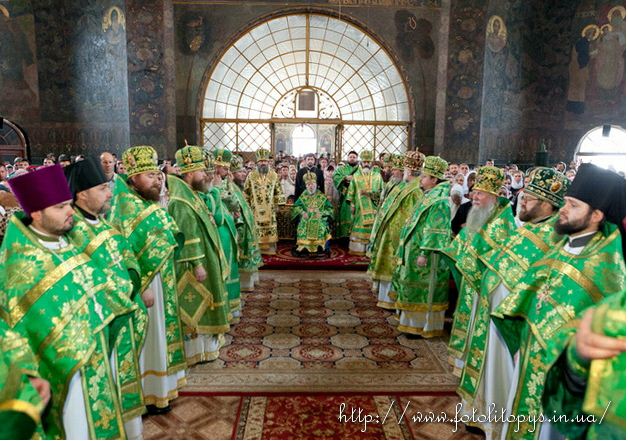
(118, 275)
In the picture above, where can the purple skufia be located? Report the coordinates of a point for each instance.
(41, 188)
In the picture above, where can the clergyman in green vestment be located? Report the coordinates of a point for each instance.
(220, 161)
(489, 224)
(201, 266)
(393, 167)
(392, 214)
(109, 249)
(63, 304)
(486, 379)
(342, 177)
(23, 394)
(421, 278)
(537, 319)
(363, 196)
(314, 213)
(589, 376)
(249, 255)
(137, 212)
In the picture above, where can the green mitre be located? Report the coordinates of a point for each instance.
(190, 159)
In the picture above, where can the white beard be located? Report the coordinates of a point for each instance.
(395, 179)
(366, 170)
(516, 185)
(478, 216)
(311, 192)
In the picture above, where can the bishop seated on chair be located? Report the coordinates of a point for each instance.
(314, 213)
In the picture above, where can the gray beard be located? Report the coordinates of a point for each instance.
(516, 185)
(478, 216)
(311, 192)
(395, 179)
(263, 169)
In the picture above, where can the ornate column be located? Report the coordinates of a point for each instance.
(151, 77)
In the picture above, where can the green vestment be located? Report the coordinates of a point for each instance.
(537, 318)
(249, 256)
(465, 252)
(203, 305)
(263, 193)
(345, 219)
(391, 215)
(63, 304)
(20, 404)
(426, 233)
(363, 194)
(229, 240)
(506, 263)
(605, 379)
(109, 249)
(312, 232)
(389, 187)
(154, 238)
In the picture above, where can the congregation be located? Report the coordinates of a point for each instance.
(118, 275)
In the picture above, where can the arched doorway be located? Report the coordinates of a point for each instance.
(13, 141)
(604, 146)
(303, 140)
(313, 69)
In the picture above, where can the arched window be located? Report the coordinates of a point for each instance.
(604, 146)
(307, 68)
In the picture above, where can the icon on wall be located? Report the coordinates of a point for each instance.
(496, 33)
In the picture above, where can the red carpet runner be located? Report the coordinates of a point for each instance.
(340, 259)
(297, 416)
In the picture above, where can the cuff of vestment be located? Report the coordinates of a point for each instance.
(577, 364)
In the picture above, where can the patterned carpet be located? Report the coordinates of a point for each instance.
(339, 259)
(377, 417)
(321, 332)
